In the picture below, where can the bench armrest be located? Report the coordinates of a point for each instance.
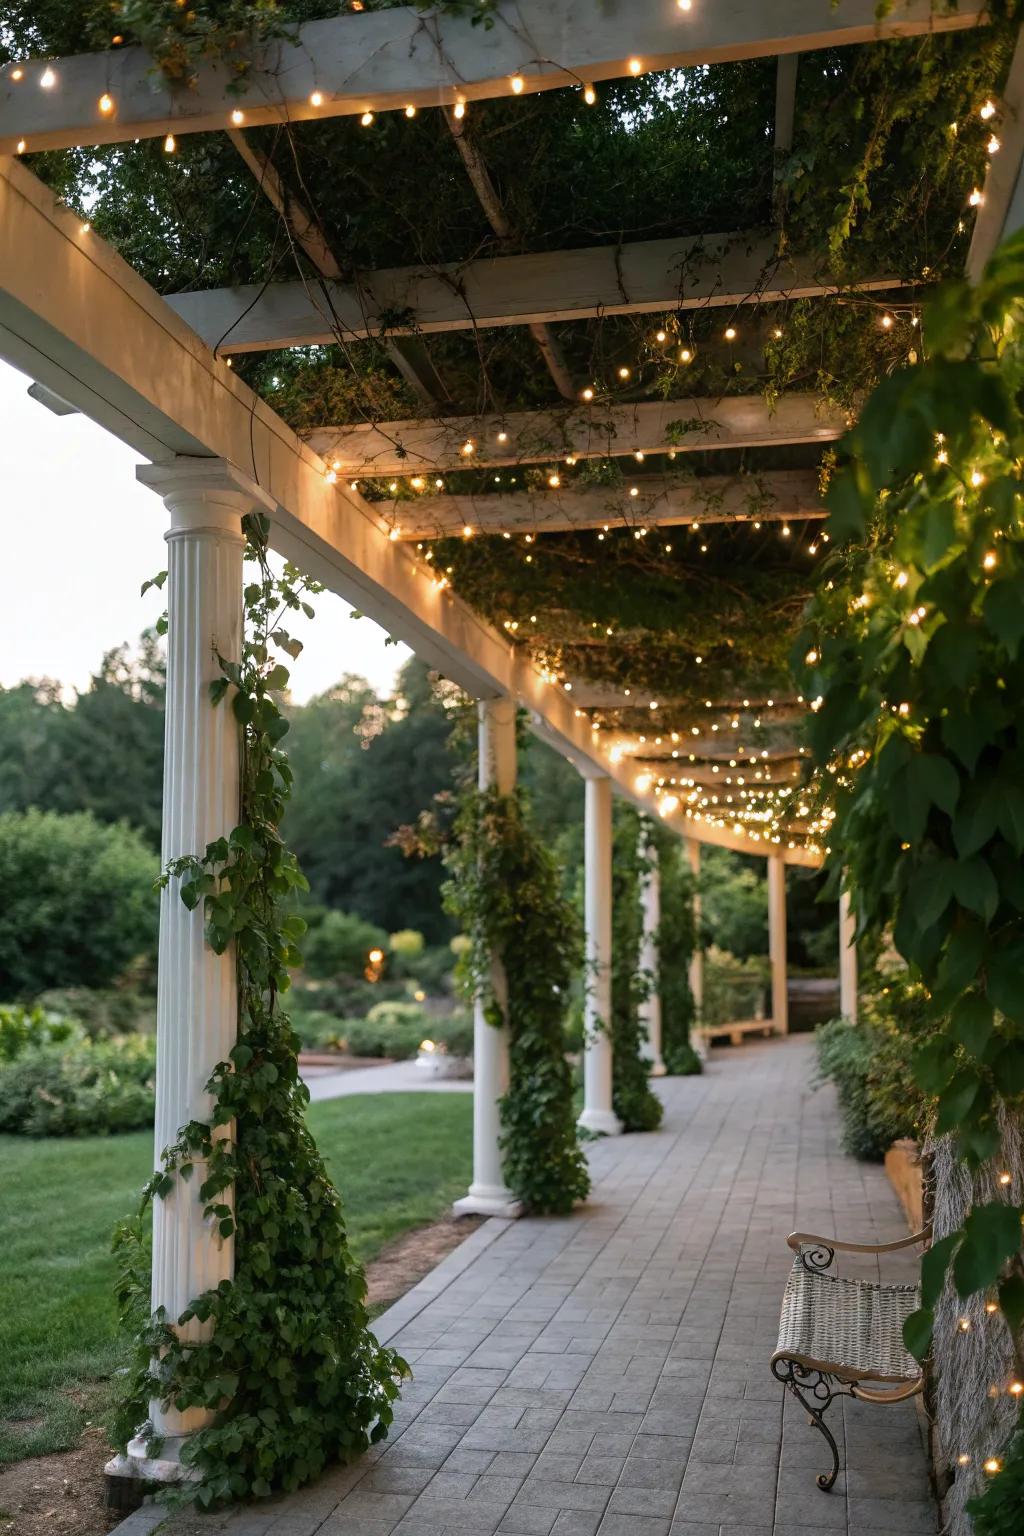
(798, 1240)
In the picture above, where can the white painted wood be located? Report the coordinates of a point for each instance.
(1001, 212)
(67, 302)
(587, 432)
(847, 959)
(662, 501)
(598, 1114)
(197, 998)
(777, 943)
(650, 1008)
(696, 972)
(489, 1195)
(640, 278)
(386, 60)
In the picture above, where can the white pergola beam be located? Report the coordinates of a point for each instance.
(660, 502)
(1001, 211)
(67, 305)
(587, 432)
(390, 59)
(644, 277)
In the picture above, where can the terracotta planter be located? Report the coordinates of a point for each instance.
(903, 1165)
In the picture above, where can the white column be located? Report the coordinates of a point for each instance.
(650, 1008)
(488, 1194)
(598, 1114)
(777, 942)
(197, 998)
(847, 960)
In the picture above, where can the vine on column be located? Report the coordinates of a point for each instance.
(291, 1369)
(633, 1100)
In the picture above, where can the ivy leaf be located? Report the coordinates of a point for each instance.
(1004, 981)
(1008, 1068)
(1004, 614)
(975, 887)
(971, 1023)
(976, 819)
(931, 891)
(992, 1234)
(917, 1333)
(934, 1265)
(956, 1101)
(938, 780)
(1011, 1299)
(933, 1064)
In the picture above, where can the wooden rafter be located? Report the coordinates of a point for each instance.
(390, 59)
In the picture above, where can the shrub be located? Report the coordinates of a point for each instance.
(870, 1064)
(23, 1028)
(406, 944)
(104, 1011)
(79, 1088)
(318, 1030)
(397, 1041)
(338, 944)
(455, 1033)
(733, 989)
(78, 901)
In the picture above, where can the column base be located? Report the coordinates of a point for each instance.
(602, 1122)
(488, 1200)
(149, 1471)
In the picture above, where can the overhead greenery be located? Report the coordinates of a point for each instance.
(505, 890)
(289, 1366)
(913, 649)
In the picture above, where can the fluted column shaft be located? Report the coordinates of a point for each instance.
(598, 1114)
(488, 1194)
(650, 1008)
(197, 994)
(847, 960)
(777, 943)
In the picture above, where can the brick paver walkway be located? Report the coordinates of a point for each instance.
(606, 1374)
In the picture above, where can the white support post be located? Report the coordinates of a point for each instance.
(847, 959)
(488, 1194)
(598, 1114)
(777, 943)
(197, 997)
(650, 1008)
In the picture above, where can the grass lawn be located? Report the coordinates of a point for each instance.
(397, 1158)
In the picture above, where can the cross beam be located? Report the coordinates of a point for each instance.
(168, 397)
(390, 59)
(644, 277)
(660, 501)
(591, 432)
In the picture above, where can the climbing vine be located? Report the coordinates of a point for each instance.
(289, 1365)
(636, 1105)
(505, 889)
(912, 653)
(677, 940)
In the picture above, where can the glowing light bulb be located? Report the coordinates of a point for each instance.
(20, 149)
(47, 79)
(393, 535)
(589, 95)
(554, 480)
(502, 437)
(634, 491)
(410, 110)
(331, 476)
(785, 530)
(989, 563)
(964, 1325)
(993, 146)
(468, 448)
(987, 111)
(517, 84)
(588, 393)
(1016, 1388)
(887, 322)
(316, 100)
(976, 199)
(977, 478)
(730, 333)
(17, 73)
(1004, 1178)
(417, 482)
(367, 118)
(686, 355)
(106, 103)
(467, 532)
(460, 109)
(238, 117)
(170, 144)
(660, 336)
(685, 5)
(635, 66)
(993, 1465)
(623, 373)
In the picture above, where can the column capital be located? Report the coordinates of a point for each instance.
(204, 495)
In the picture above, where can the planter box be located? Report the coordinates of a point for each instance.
(903, 1165)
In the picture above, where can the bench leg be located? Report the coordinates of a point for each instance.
(814, 1391)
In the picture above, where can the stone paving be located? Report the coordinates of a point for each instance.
(606, 1374)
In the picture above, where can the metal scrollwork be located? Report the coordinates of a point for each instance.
(814, 1391)
(817, 1260)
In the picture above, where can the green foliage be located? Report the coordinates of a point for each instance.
(733, 989)
(913, 647)
(78, 904)
(676, 941)
(73, 1086)
(734, 902)
(338, 944)
(23, 1029)
(871, 1064)
(504, 889)
(633, 1100)
(997, 1512)
(288, 1363)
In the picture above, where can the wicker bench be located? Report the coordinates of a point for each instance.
(835, 1335)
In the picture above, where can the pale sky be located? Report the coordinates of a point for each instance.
(79, 536)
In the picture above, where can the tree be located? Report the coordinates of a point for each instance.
(79, 901)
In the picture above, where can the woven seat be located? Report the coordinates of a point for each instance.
(850, 1328)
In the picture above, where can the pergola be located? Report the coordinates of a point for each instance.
(364, 504)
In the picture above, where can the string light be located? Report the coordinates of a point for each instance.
(20, 149)
(517, 84)
(623, 372)
(460, 109)
(993, 146)
(17, 73)
(993, 1465)
(468, 448)
(989, 563)
(238, 117)
(684, 5)
(976, 199)
(106, 103)
(987, 111)
(367, 117)
(635, 66)
(169, 144)
(47, 79)
(410, 110)
(730, 333)
(588, 393)
(685, 355)
(589, 95)
(316, 100)
(887, 322)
